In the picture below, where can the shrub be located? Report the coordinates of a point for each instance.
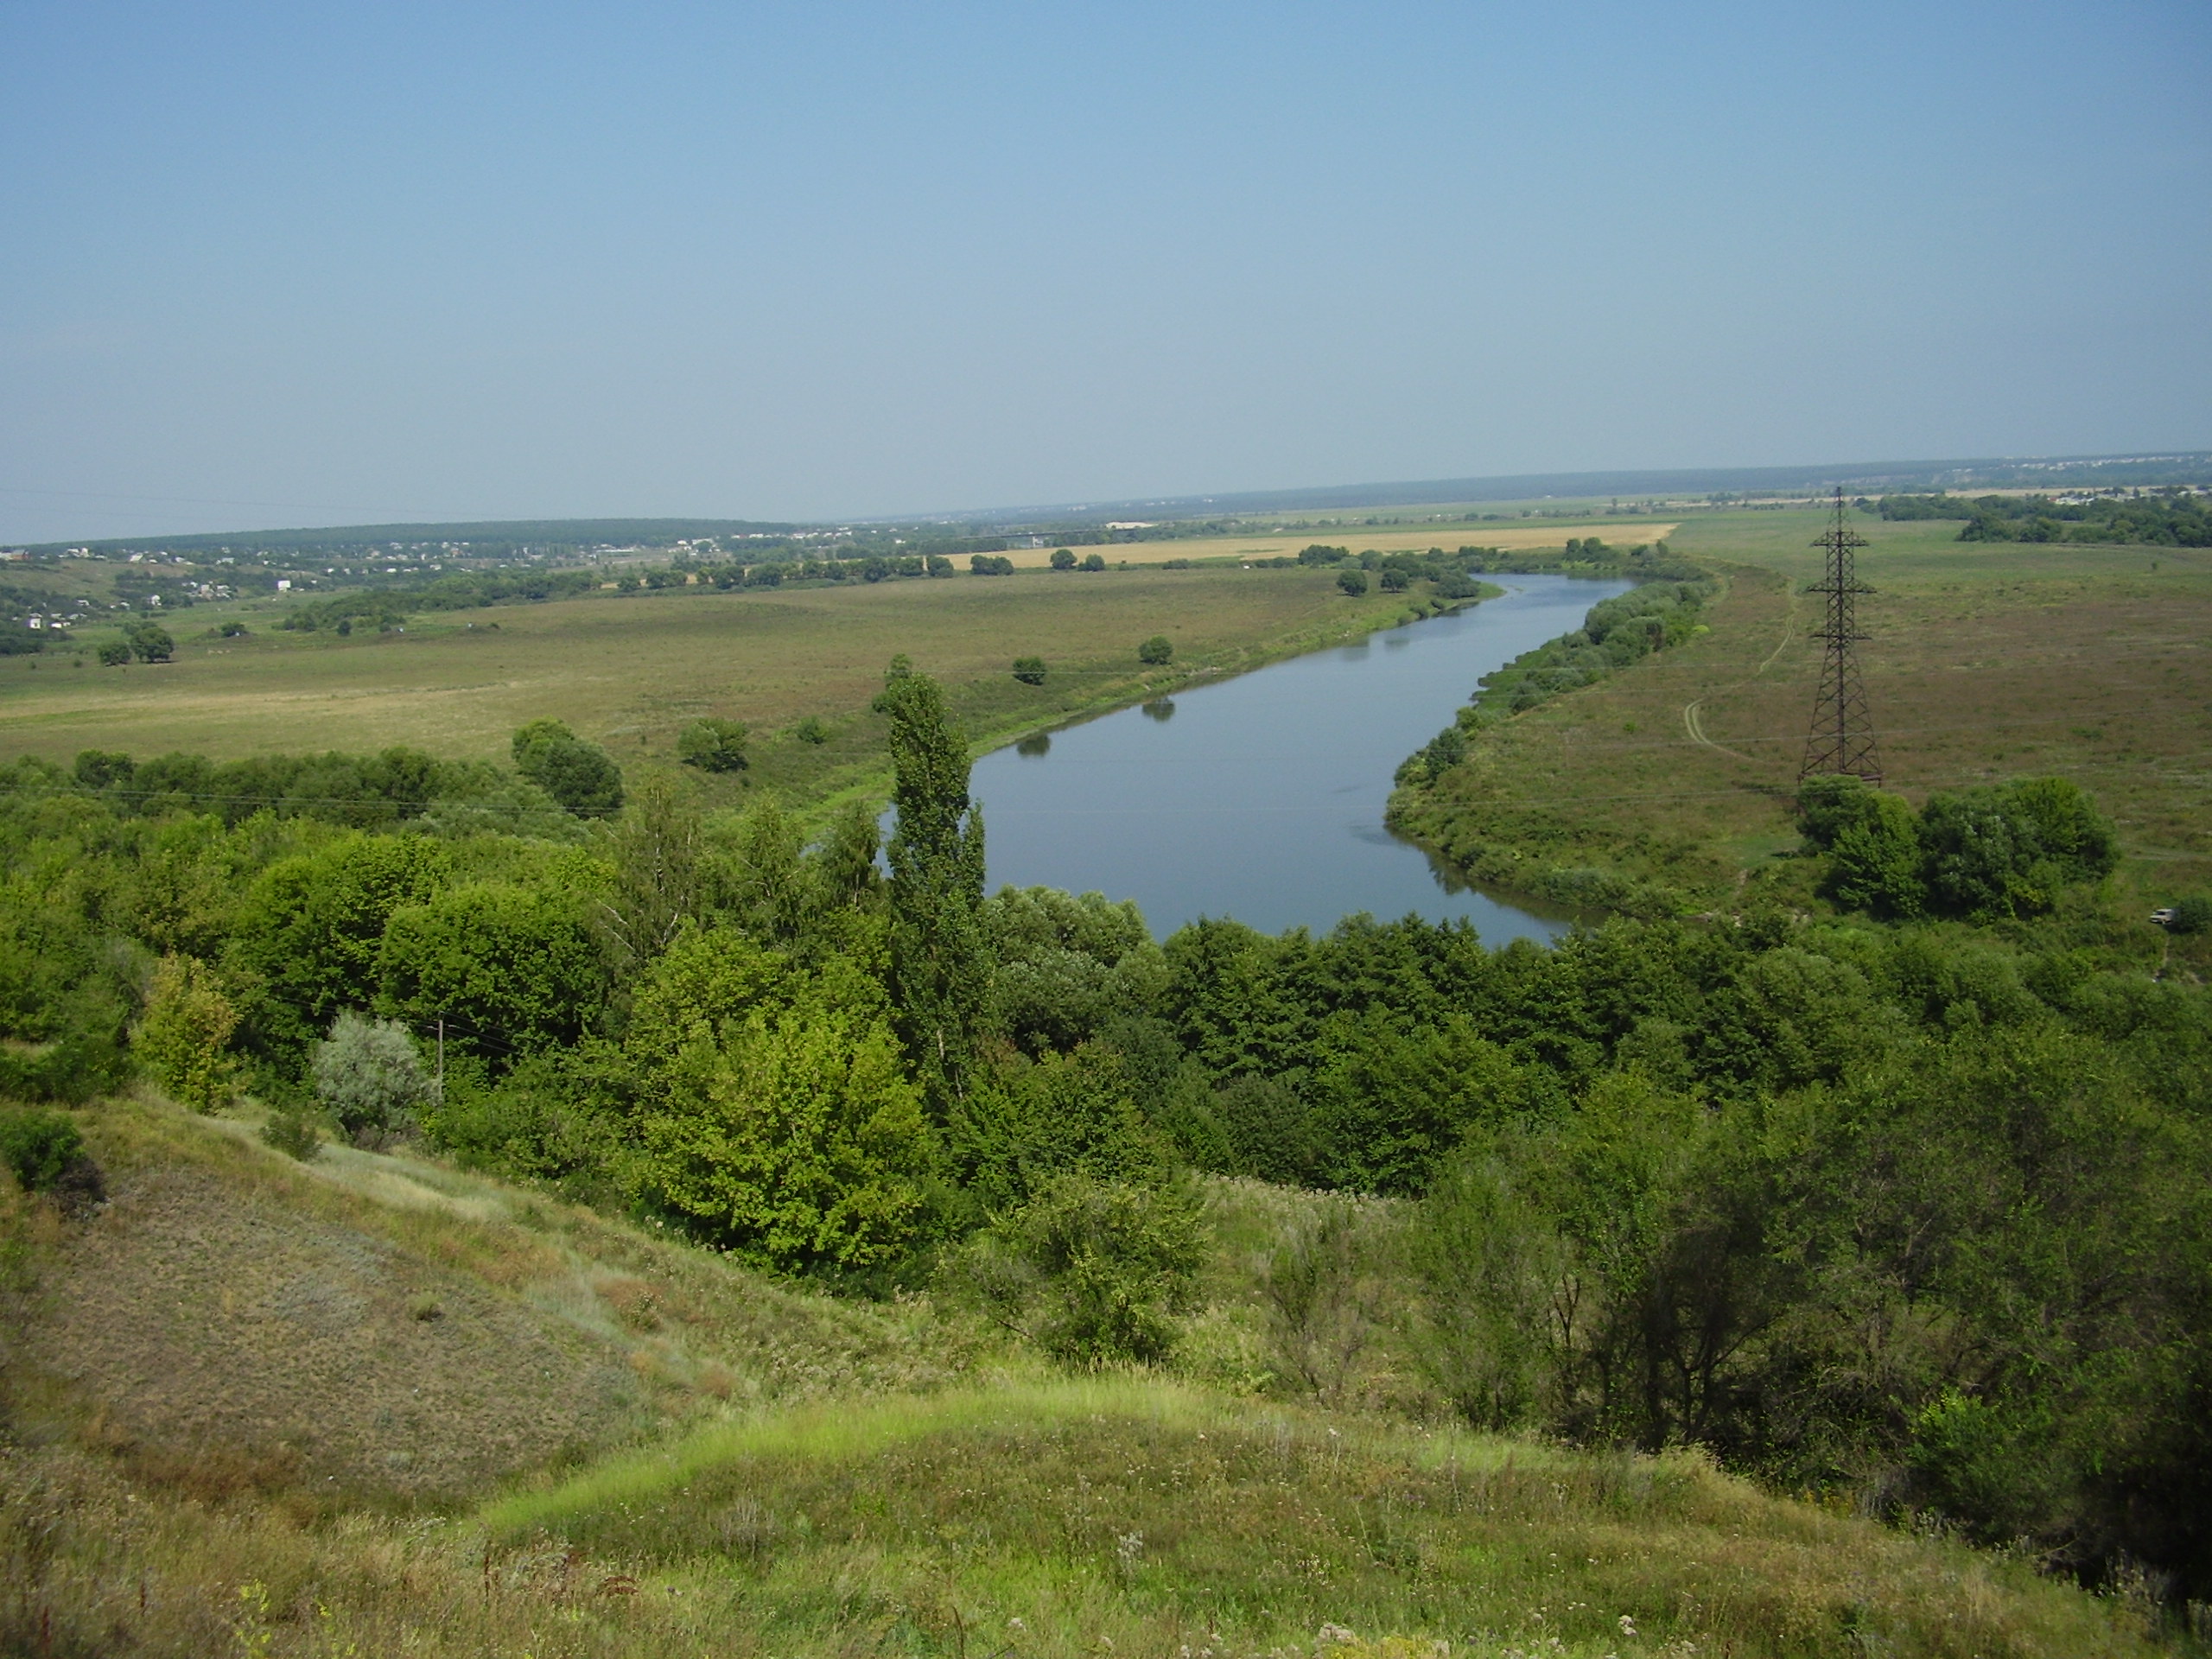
(39, 1146)
(1094, 561)
(1094, 1272)
(185, 1034)
(1157, 650)
(1030, 671)
(1354, 582)
(369, 1075)
(293, 1133)
(577, 774)
(811, 730)
(713, 745)
(114, 654)
(1063, 558)
(2191, 915)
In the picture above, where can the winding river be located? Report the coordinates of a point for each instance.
(1262, 796)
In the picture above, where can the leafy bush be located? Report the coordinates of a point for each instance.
(1352, 582)
(149, 642)
(1157, 650)
(1063, 558)
(292, 1132)
(577, 774)
(1030, 671)
(713, 745)
(114, 653)
(2191, 915)
(1094, 1272)
(39, 1147)
(1094, 561)
(185, 1034)
(369, 1075)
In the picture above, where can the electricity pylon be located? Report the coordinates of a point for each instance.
(1842, 740)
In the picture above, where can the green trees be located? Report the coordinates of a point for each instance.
(1352, 583)
(185, 1037)
(577, 774)
(940, 973)
(713, 745)
(2005, 850)
(1094, 561)
(508, 969)
(1030, 671)
(795, 1137)
(149, 641)
(1159, 651)
(114, 654)
(1063, 558)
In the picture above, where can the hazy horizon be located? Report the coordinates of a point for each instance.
(266, 269)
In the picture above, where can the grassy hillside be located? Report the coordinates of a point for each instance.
(1987, 661)
(369, 1405)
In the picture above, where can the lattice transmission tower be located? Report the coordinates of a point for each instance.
(1842, 740)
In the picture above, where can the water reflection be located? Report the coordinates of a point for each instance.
(1263, 800)
(1034, 747)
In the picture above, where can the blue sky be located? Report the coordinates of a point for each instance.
(279, 265)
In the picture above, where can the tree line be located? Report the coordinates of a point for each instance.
(2174, 518)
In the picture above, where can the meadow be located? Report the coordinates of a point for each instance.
(630, 671)
(1987, 661)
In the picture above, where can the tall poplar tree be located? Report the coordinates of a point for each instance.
(940, 972)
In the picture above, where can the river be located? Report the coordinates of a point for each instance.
(1262, 796)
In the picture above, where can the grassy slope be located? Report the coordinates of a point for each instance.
(781, 1474)
(1987, 661)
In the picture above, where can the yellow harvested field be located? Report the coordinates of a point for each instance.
(1407, 538)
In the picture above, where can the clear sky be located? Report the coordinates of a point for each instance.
(282, 263)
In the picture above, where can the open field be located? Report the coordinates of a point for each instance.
(1551, 534)
(774, 1472)
(1987, 661)
(629, 672)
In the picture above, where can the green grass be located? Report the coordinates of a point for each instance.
(1987, 661)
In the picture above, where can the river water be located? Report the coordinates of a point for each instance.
(1261, 797)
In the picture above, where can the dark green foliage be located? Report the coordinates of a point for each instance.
(713, 745)
(1158, 650)
(2174, 518)
(987, 564)
(309, 937)
(577, 774)
(2006, 850)
(2192, 915)
(1318, 554)
(114, 653)
(509, 970)
(1352, 582)
(1094, 561)
(1065, 965)
(940, 971)
(149, 642)
(39, 1147)
(1063, 558)
(1030, 671)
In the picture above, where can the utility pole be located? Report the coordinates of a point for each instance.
(1842, 740)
